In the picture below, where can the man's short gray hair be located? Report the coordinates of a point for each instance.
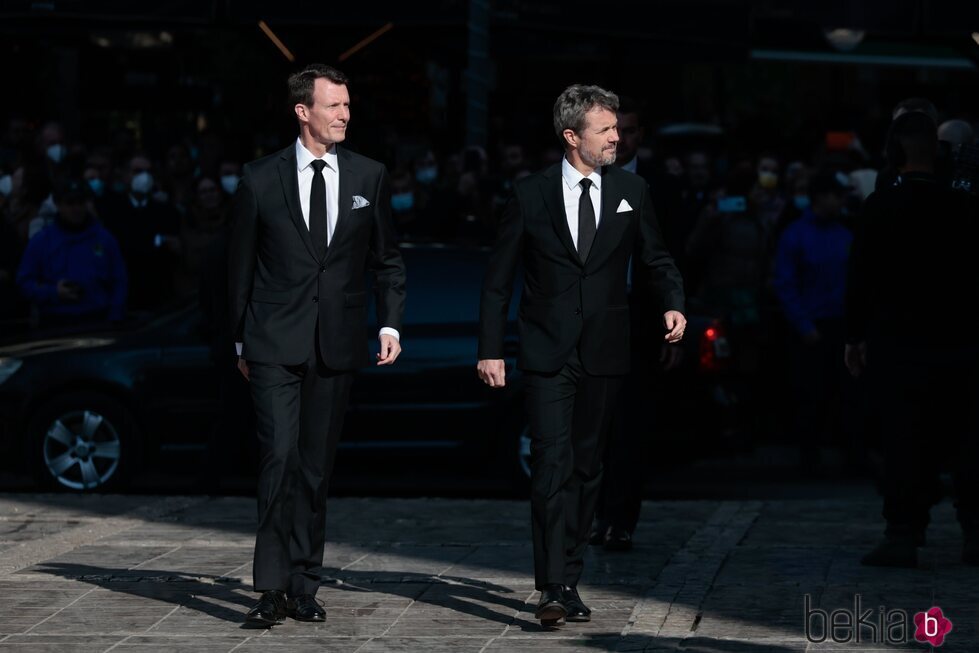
(577, 100)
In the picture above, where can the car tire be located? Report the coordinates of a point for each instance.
(83, 442)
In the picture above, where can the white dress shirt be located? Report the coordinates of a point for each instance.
(572, 195)
(331, 173)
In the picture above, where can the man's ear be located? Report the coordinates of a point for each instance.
(570, 137)
(302, 112)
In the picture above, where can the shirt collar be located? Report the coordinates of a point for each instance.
(304, 157)
(572, 177)
(631, 165)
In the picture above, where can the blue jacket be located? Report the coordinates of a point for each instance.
(91, 258)
(810, 270)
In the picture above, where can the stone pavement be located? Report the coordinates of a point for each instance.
(128, 573)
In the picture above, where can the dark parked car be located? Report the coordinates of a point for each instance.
(89, 411)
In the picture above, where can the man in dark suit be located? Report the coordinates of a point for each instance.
(305, 221)
(574, 227)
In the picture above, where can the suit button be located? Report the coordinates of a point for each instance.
(315, 299)
(584, 276)
(577, 311)
(322, 268)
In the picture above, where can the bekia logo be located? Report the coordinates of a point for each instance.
(882, 626)
(931, 627)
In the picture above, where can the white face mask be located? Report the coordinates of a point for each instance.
(6, 185)
(56, 152)
(230, 183)
(142, 183)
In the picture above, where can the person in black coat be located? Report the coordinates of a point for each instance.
(574, 227)
(309, 223)
(911, 273)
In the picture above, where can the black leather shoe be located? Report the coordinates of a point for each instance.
(305, 608)
(618, 539)
(269, 611)
(550, 608)
(578, 612)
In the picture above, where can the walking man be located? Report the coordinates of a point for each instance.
(574, 228)
(309, 222)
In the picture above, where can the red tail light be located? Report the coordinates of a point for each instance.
(714, 350)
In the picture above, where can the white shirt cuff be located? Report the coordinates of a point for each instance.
(388, 331)
(238, 346)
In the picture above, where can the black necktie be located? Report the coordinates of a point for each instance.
(317, 208)
(586, 220)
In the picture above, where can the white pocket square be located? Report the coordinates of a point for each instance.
(623, 207)
(360, 202)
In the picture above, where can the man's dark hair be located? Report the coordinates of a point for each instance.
(915, 105)
(301, 84)
(577, 100)
(913, 138)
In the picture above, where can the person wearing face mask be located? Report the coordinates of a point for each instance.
(767, 198)
(148, 235)
(73, 271)
(434, 198)
(810, 282)
(51, 142)
(229, 174)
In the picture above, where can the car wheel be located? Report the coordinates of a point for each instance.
(82, 443)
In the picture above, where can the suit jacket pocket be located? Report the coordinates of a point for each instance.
(266, 296)
(354, 298)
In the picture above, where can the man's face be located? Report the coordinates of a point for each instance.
(513, 158)
(52, 134)
(100, 166)
(828, 205)
(630, 136)
(598, 138)
(768, 165)
(73, 210)
(208, 194)
(327, 118)
(139, 164)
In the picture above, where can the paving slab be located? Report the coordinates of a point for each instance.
(172, 573)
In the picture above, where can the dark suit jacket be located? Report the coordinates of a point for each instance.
(282, 295)
(567, 303)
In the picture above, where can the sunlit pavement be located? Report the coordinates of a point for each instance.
(120, 573)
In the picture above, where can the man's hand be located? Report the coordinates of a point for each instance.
(69, 291)
(670, 356)
(675, 323)
(390, 350)
(855, 357)
(243, 367)
(493, 372)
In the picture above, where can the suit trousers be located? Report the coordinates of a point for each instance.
(570, 414)
(299, 412)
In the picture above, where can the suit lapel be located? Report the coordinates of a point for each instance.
(290, 188)
(344, 195)
(554, 201)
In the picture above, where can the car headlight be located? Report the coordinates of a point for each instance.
(8, 366)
